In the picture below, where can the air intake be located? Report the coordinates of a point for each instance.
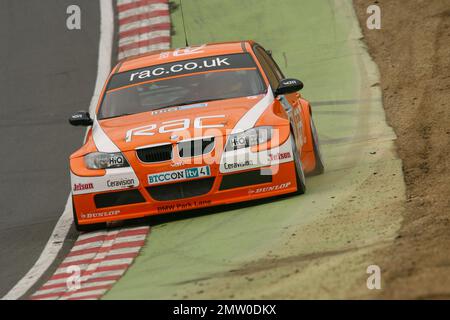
(155, 154)
(175, 191)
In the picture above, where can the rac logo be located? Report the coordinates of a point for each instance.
(175, 126)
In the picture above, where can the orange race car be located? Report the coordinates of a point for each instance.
(192, 128)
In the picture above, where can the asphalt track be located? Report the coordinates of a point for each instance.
(47, 72)
(317, 245)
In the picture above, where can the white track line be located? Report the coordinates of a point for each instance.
(62, 227)
(105, 49)
(47, 256)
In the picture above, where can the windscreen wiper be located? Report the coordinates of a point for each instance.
(184, 104)
(117, 116)
(170, 106)
(199, 101)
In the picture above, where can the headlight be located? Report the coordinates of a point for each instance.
(249, 138)
(101, 160)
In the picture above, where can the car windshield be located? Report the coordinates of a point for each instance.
(181, 90)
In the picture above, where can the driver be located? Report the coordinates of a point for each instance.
(219, 85)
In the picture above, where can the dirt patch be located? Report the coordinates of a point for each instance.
(412, 50)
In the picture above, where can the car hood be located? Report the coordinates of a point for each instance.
(216, 118)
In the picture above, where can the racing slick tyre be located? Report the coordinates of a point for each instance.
(85, 227)
(299, 173)
(319, 167)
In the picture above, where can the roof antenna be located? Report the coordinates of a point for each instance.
(184, 26)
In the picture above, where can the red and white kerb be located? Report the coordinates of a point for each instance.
(144, 26)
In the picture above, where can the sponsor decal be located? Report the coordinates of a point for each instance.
(178, 175)
(271, 188)
(116, 179)
(83, 186)
(100, 214)
(117, 160)
(209, 63)
(290, 82)
(184, 67)
(248, 159)
(238, 142)
(123, 183)
(238, 165)
(183, 51)
(184, 206)
(177, 164)
(171, 109)
(280, 156)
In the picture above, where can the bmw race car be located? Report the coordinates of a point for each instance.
(192, 128)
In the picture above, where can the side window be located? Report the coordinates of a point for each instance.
(270, 73)
(275, 67)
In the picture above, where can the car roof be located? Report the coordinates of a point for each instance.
(167, 56)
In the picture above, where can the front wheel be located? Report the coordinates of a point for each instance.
(319, 167)
(299, 173)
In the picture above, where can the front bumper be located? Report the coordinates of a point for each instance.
(120, 194)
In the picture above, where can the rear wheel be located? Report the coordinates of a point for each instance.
(299, 173)
(85, 227)
(319, 166)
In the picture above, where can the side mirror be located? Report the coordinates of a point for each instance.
(81, 118)
(289, 86)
